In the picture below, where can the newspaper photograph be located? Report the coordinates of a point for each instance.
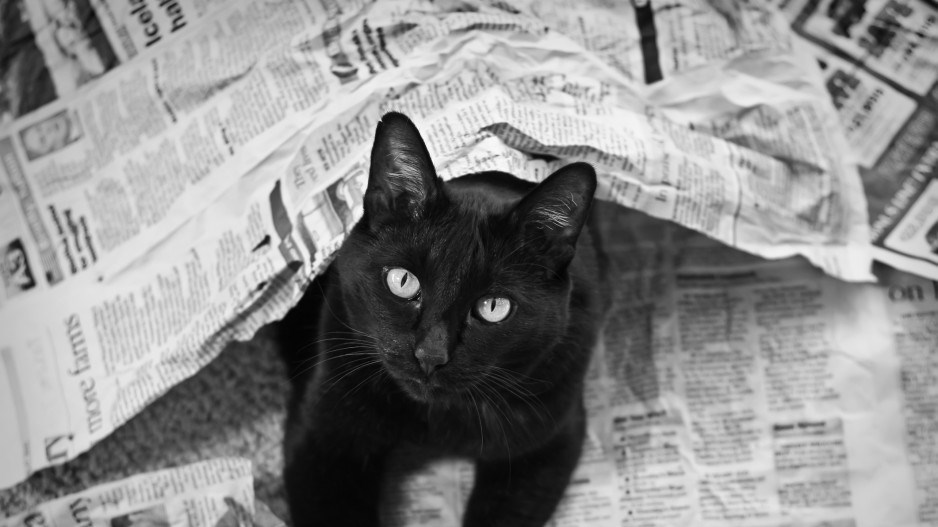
(880, 62)
(190, 166)
(48, 50)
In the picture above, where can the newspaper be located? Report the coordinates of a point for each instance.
(880, 63)
(186, 197)
(730, 391)
(215, 493)
(50, 49)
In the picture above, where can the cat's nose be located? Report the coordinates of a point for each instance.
(430, 359)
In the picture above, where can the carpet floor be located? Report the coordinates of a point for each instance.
(235, 406)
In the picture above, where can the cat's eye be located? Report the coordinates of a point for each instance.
(402, 283)
(493, 308)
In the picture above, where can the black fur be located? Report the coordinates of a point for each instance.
(508, 395)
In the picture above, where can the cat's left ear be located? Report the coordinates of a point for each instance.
(402, 183)
(553, 213)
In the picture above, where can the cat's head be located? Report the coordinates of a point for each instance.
(459, 286)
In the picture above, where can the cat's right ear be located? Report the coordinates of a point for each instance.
(553, 213)
(402, 182)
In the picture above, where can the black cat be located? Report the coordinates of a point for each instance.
(460, 316)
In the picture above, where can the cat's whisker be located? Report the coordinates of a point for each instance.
(353, 333)
(384, 377)
(315, 325)
(479, 415)
(345, 347)
(336, 339)
(502, 383)
(505, 377)
(348, 352)
(358, 357)
(521, 376)
(498, 412)
(516, 387)
(365, 363)
(346, 339)
(351, 346)
(523, 393)
(489, 393)
(376, 373)
(505, 409)
(325, 302)
(347, 335)
(529, 399)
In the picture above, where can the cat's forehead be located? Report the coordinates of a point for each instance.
(457, 244)
(465, 240)
(489, 193)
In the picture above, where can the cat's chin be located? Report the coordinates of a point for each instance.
(441, 388)
(425, 391)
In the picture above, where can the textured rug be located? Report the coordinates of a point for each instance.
(233, 407)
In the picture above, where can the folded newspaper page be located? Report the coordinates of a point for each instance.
(184, 198)
(879, 59)
(215, 493)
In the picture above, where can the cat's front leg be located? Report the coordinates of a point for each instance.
(333, 481)
(524, 491)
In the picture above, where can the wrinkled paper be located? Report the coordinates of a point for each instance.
(190, 166)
